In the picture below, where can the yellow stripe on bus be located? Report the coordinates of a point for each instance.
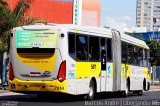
(145, 72)
(37, 61)
(123, 71)
(87, 69)
(128, 70)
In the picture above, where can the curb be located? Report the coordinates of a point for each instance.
(4, 91)
(155, 88)
(8, 93)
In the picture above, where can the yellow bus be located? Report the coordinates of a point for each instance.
(77, 60)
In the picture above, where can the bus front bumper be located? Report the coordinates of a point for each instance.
(38, 86)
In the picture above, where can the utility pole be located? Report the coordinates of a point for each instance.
(153, 69)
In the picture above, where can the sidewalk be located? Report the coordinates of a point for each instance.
(155, 88)
(7, 92)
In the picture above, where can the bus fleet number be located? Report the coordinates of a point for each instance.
(93, 66)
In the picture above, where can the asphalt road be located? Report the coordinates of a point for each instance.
(151, 98)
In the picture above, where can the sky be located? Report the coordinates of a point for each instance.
(118, 12)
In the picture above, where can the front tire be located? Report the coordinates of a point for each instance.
(92, 91)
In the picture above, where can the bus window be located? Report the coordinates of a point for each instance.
(35, 50)
(109, 50)
(130, 54)
(71, 45)
(140, 57)
(82, 47)
(135, 56)
(103, 42)
(71, 40)
(94, 54)
(145, 59)
(124, 52)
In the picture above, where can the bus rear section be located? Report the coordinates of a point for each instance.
(35, 62)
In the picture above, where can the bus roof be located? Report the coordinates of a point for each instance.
(99, 31)
(105, 31)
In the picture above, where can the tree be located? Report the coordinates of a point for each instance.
(3, 2)
(136, 35)
(10, 19)
(154, 52)
(7, 22)
(20, 13)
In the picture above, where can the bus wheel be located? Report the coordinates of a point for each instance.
(92, 91)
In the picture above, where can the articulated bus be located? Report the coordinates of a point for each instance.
(77, 60)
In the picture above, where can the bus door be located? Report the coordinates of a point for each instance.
(124, 67)
(116, 42)
(103, 63)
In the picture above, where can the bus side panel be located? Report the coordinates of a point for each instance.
(136, 79)
(75, 85)
(128, 71)
(84, 72)
(70, 76)
(87, 69)
(109, 79)
(83, 85)
(147, 77)
(80, 86)
(145, 72)
(123, 76)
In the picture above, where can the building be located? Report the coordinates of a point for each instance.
(91, 12)
(79, 12)
(146, 11)
(146, 35)
(135, 29)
